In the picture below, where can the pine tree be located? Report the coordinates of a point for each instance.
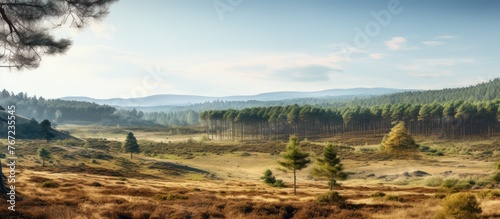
(294, 159)
(44, 154)
(46, 127)
(268, 177)
(399, 140)
(329, 166)
(27, 27)
(131, 145)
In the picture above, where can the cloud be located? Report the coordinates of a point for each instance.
(345, 48)
(104, 71)
(442, 39)
(262, 64)
(447, 37)
(399, 43)
(430, 75)
(311, 73)
(250, 73)
(347, 52)
(446, 62)
(432, 43)
(396, 43)
(428, 68)
(377, 56)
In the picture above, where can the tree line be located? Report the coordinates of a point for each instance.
(453, 119)
(173, 119)
(481, 92)
(55, 109)
(58, 111)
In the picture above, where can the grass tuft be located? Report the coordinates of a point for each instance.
(49, 184)
(170, 197)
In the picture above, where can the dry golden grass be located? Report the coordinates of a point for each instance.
(119, 133)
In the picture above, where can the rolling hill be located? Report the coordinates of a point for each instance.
(27, 128)
(184, 100)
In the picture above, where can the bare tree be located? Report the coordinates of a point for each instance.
(26, 25)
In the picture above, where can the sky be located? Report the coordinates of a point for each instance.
(247, 47)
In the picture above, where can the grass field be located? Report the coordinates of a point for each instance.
(182, 176)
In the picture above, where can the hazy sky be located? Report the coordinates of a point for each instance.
(243, 47)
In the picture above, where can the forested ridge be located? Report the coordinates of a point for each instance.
(481, 92)
(55, 109)
(61, 111)
(449, 113)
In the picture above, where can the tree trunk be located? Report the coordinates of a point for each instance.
(130, 155)
(331, 183)
(3, 189)
(294, 182)
(43, 162)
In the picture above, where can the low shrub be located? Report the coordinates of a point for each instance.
(378, 194)
(170, 197)
(434, 181)
(96, 184)
(460, 206)
(449, 183)
(394, 198)
(269, 179)
(331, 197)
(487, 152)
(496, 177)
(440, 196)
(455, 185)
(488, 194)
(49, 184)
(279, 183)
(246, 154)
(464, 184)
(424, 148)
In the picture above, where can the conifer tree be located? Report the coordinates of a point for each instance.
(294, 159)
(131, 145)
(27, 28)
(329, 166)
(399, 140)
(268, 177)
(44, 154)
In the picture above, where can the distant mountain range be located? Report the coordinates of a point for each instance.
(184, 100)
